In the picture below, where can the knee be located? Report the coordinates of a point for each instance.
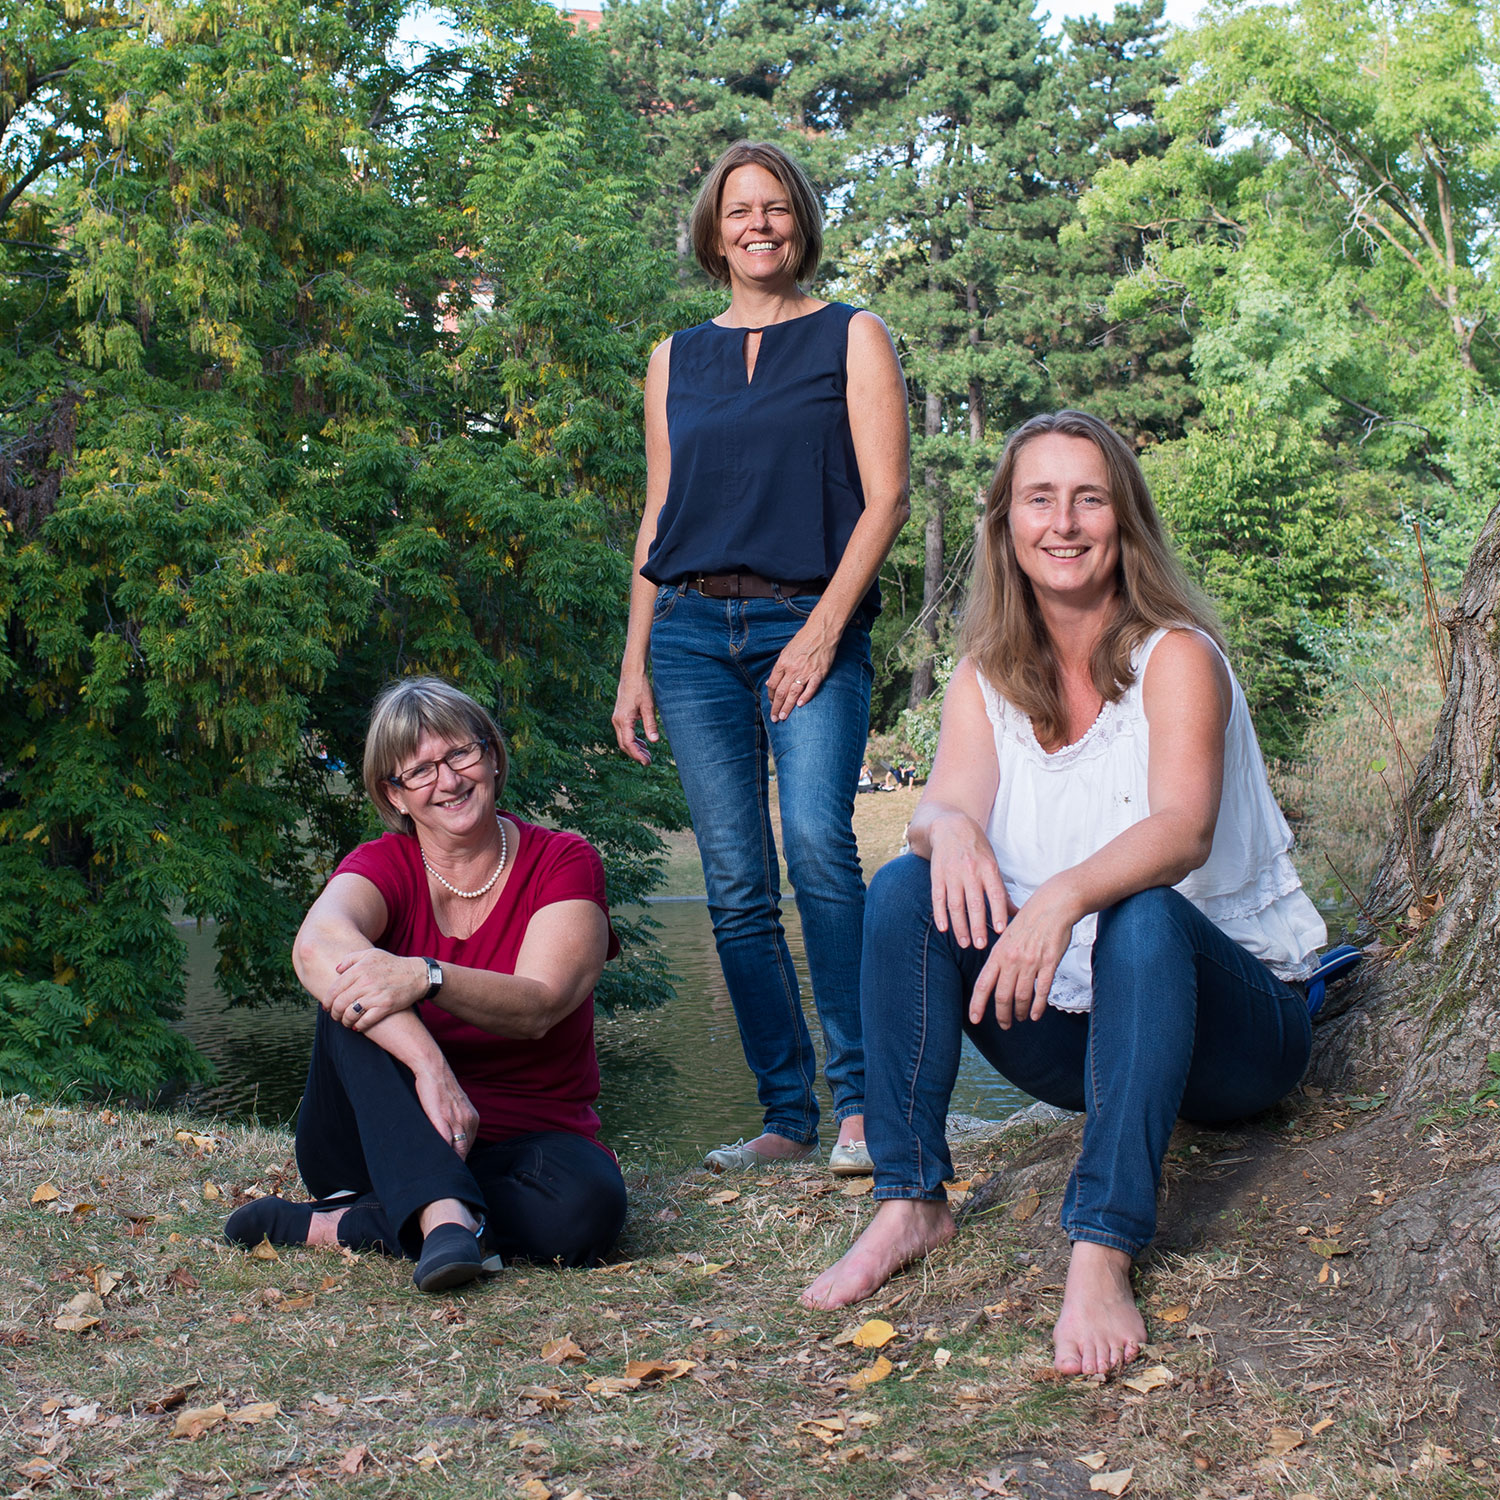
(1142, 928)
(900, 889)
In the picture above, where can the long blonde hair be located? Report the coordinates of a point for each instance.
(1003, 630)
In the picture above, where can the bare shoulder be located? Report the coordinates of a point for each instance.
(867, 333)
(661, 356)
(1186, 662)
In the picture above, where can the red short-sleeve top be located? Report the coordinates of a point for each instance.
(516, 1086)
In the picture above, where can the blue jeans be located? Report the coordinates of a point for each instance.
(710, 659)
(1185, 1023)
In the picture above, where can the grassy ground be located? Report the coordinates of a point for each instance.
(688, 1368)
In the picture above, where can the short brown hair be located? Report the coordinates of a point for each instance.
(1003, 630)
(406, 710)
(807, 212)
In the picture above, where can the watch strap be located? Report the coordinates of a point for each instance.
(434, 977)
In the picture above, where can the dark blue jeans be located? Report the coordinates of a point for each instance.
(710, 659)
(1185, 1023)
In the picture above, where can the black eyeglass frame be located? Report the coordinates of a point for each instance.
(401, 779)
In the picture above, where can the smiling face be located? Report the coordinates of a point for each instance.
(757, 228)
(456, 804)
(1062, 525)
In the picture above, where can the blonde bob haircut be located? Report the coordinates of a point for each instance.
(1003, 630)
(406, 710)
(807, 212)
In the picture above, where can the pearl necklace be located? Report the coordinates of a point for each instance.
(470, 895)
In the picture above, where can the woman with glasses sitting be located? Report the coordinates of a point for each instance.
(448, 1114)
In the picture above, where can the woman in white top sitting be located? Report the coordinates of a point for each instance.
(1099, 890)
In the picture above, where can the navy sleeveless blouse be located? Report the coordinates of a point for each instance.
(764, 478)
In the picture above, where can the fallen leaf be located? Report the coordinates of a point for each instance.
(1327, 1248)
(940, 1358)
(196, 1420)
(1149, 1380)
(1116, 1482)
(79, 1313)
(860, 1187)
(871, 1374)
(265, 1251)
(255, 1412)
(846, 1335)
(711, 1267)
(328, 1284)
(1322, 1426)
(204, 1143)
(534, 1489)
(875, 1334)
(428, 1458)
(562, 1351)
(1198, 1331)
(180, 1279)
(106, 1281)
(828, 1430)
(211, 1193)
(1094, 1461)
(612, 1385)
(728, 1195)
(354, 1460)
(649, 1371)
(300, 1304)
(1176, 1314)
(46, 1193)
(108, 1117)
(83, 1416)
(171, 1400)
(548, 1397)
(1323, 1274)
(1283, 1440)
(1026, 1205)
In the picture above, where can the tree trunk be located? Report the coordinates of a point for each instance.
(1423, 1020)
(932, 569)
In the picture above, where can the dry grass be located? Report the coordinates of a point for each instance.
(420, 1396)
(1335, 796)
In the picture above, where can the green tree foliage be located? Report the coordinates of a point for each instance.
(1323, 219)
(319, 365)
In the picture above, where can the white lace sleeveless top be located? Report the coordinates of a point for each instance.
(1052, 811)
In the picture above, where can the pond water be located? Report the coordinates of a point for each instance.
(674, 1079)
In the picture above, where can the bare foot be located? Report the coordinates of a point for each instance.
(324, 1227)
(1099, 1326)
(445, 1211)
(903, 1230)
(852, 1129)
(779, 1148)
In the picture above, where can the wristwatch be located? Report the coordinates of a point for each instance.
(434, 977)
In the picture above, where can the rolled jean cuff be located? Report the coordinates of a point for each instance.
(909, 1195)
(1075, 1233)
(791, 1133)
(847, 1111)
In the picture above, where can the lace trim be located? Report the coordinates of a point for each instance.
(1096, 740)
(1071, 998)
(1270, 885)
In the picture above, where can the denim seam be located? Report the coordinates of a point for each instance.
(885, 1194)
(921, 1053)
(1102, 1237)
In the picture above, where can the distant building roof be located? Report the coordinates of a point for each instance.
(583, 16)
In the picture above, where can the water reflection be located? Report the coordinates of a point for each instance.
(674, 1080)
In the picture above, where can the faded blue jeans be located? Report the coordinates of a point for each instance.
(710, 659)
(1185, 1023)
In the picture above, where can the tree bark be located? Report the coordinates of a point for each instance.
(932, 565)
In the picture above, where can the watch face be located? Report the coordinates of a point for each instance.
(434, 976)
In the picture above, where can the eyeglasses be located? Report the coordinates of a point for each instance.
(459, 758)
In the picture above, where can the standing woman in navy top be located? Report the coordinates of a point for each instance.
(777, 472)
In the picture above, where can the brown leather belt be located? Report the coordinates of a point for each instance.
(747, 586)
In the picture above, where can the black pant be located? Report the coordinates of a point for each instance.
(547, 1196)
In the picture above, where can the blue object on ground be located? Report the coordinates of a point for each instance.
(1333, 965)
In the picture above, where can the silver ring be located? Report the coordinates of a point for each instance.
(796, 682)
(461, 1136)
(357, 1008)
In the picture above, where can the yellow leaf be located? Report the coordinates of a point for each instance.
(875, 1334)
(1176, 1314)
(711, 1267)
(828, 1430)
(46, 1193)
(1283, 1440)
(106, 1281)
(1150, 1380)
(211, 1192)
(1321, 1427)
(265, 1251)
(255, 1412)
(534, 1489)
(79, 1313)
(871, 1374)
(1094, 1461)
(1026, 1205)
(940, 1358)
(649, 1371)
(428, 1458)
(562, 1351)
(728, 1195)
(196, 1420)
(1116, 1482)
(33, 833)
(1327, 1248)
(1323, 1274)
(612, 1385)
(860, 1187)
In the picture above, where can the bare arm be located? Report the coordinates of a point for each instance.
(634, 703)
(1187, 698)
(882, 449)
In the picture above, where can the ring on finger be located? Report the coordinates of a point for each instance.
(357, 1008)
